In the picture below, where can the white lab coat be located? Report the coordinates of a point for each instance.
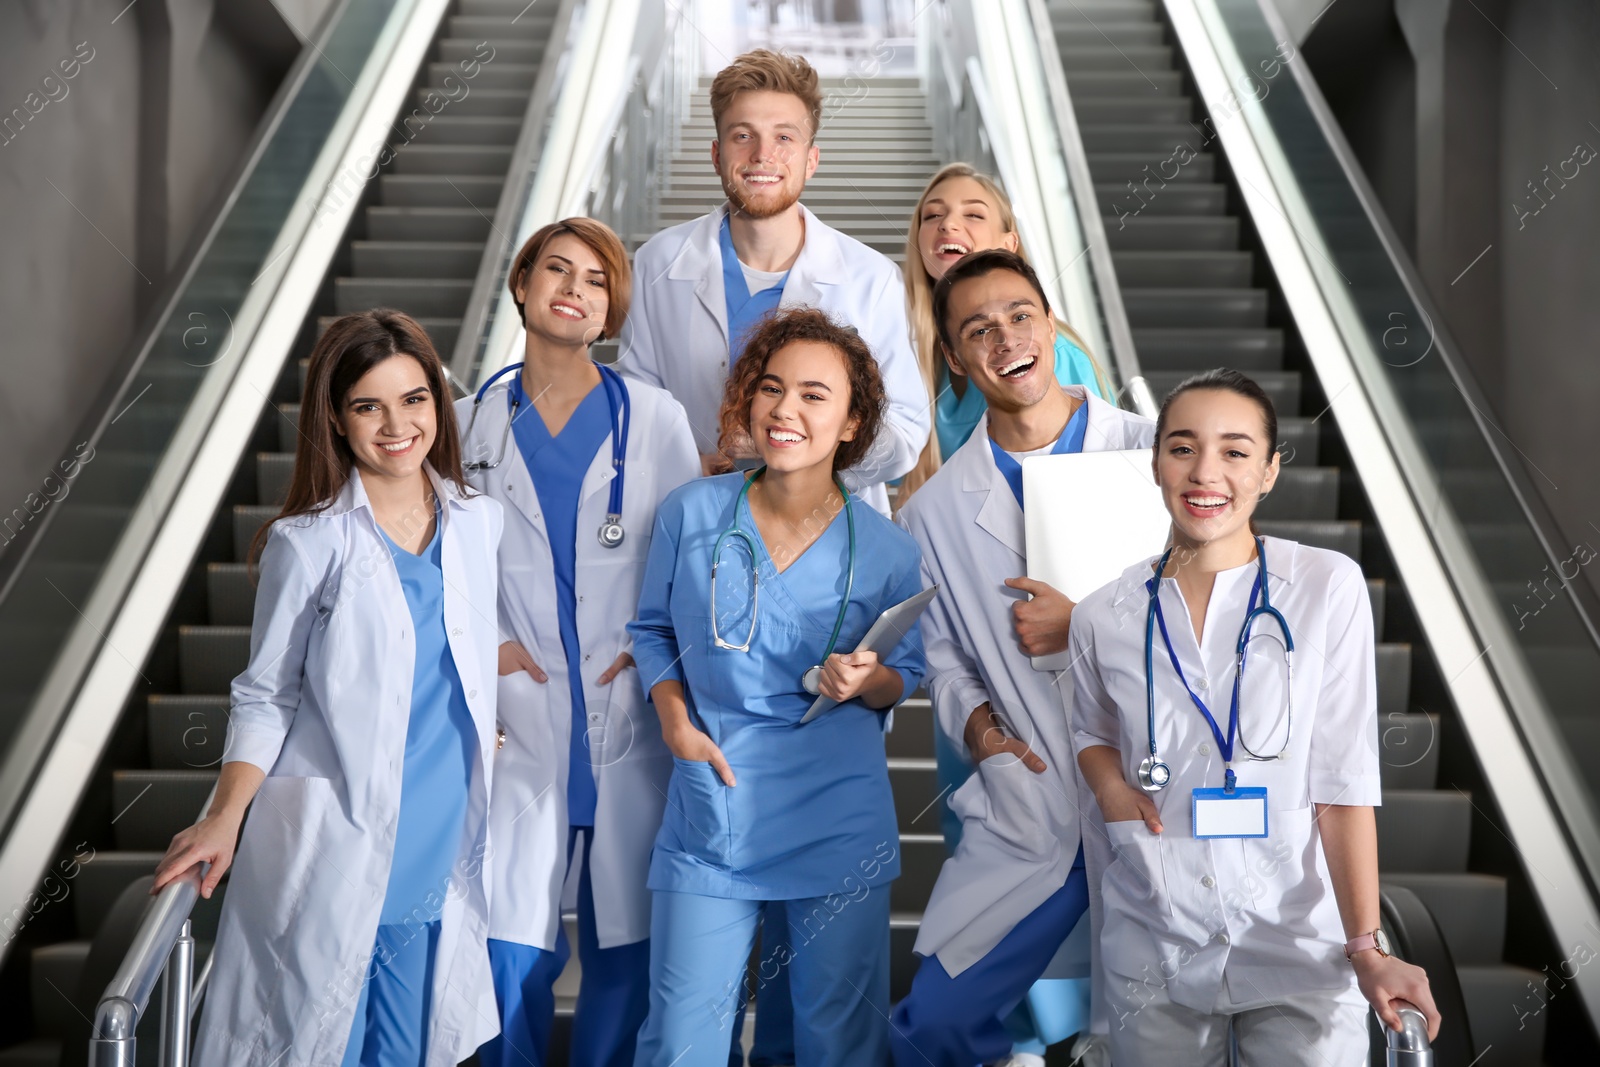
(1020, 830)
(1232, 924)
(677, 332)
(323, 709)
(528, 813)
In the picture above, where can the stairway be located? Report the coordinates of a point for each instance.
(415, 245)
(1199, 294)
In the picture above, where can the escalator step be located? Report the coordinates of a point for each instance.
(1120, 34)
(1204, 347)
(39, 1052)
(1171, 167)
(230, 595)
(453, 159)
(273, 471)
(152, 806)
(441, 331)
(1176, 233)
(210, 656)
(479, 103)
(445, 128)
(1188, 308)
(921, 856)
(1423, 831)
(1150, 196)
(468, 49)
(1302, 493)
(1079, 56)
(416, 259)
(439, 190)
(1176, 270)
(1282, 386)
(1470, 910)
(435, 297)
(1377, 592)
(187, 733)
(1338, 535)
(917, 799)
(493, 75)
(1091, 83)
(247, 519)
(1299, 439)
(1394, 678)
(101, 881)
(427, 224)
(912, 735)
(1505, 1004)
(1408, 751)
(1111, 110)
(53, 974)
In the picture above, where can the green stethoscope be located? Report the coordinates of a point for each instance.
(811, 680)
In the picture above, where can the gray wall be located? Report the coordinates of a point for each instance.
(106, 176)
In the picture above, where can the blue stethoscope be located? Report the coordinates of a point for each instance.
(611, 533)
(1153, 773)
(811, 679)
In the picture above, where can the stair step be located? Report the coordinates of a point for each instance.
(1408, 747)
(453, 160)
(912, 736)
(921, 856)
(54, 974)
(495, 75)
(1423, 831)
(101, 881)
(187, 733)
(481, 103)
(1174, 270)
(1508, 1019)
(418, 297)
(1176, 233)
(1150, 195)
(1303, 493)
(446, 128)
(416, 259)
(1203, 347)
(152, 806)
(427, 224)
(210, 657)
(1175, 308)
(918, 802)
(1470, 910)
(1173, 167)
(440, 190)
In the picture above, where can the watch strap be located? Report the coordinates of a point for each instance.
(1363, 942)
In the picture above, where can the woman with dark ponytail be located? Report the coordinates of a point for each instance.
(363, 730)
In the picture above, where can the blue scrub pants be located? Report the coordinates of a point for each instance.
(960, 1021)
(774, 1037)
(391, 1025)
(838, 976)
(613, 995)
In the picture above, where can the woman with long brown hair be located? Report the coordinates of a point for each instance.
(962, 211)
(362, 730)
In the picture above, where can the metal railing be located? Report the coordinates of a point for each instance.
(1461, 521)
(997, 99)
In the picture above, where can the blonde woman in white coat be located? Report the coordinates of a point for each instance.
(580, 459)
(355, 925)
(1238, 795)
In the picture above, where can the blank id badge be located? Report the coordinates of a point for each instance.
(1220, 813)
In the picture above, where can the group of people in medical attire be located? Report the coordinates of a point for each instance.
(551, 649)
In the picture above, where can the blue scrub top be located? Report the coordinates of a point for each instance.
(955, 417)
(440, 738)
(745, 309)
(812, 813)
(558, 465)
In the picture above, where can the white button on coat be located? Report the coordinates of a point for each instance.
(308, 882)
(631, 762)
(677, 332)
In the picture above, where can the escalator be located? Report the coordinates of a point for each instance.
(416, 238)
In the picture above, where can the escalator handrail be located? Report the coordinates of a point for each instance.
(1502, 711)
(504, 239)
(1416, 938)
(56, 750)
(1114, 314)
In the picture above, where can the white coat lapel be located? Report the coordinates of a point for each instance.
(821, 262)
(998, 514)
(511, 481)
(700, 262)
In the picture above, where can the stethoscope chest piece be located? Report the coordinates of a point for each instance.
(812, 680)
(611, 532)
(1154, 775)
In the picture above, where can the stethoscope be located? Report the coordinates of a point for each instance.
(811, 679)
(611, 533)
(1153, 773)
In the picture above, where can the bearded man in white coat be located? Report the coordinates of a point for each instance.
(700, 287)
(1007, 900)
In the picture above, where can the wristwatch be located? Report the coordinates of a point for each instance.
(1376, 939)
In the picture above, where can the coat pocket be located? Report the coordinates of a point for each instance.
(697, 805)
(281, 845)
(1137, 872)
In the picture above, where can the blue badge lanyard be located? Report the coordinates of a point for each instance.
(1071, 440)
(743, 309)
(620, 406)
(1223, 743)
